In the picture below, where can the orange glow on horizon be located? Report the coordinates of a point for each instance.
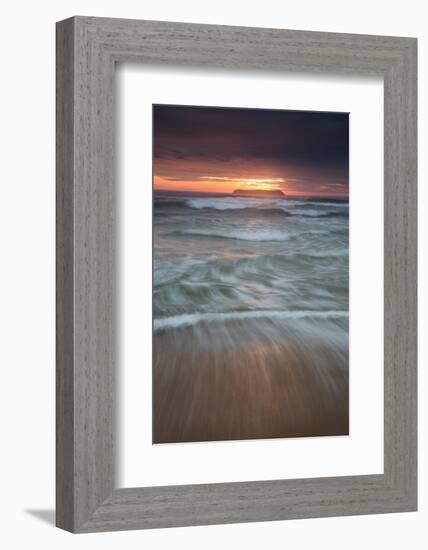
(201, 176)
(228, 185)
(211, 184)
(261, 184)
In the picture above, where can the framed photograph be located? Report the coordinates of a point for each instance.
(236, 274)
(250, 280)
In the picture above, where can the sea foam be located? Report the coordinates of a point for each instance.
(239, 234)
(191, 319)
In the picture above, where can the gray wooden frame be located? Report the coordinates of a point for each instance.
(87, 50)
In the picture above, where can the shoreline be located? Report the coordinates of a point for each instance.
(217, 383)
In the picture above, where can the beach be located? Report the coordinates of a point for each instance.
(250, 308)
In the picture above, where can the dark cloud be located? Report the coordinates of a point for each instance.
(309, 147)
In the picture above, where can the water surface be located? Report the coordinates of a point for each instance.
(250, 317)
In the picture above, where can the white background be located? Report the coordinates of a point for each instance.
(362, 451)
(27, 273)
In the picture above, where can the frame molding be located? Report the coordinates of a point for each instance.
(87, 50)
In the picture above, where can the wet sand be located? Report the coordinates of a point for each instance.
(250, 380)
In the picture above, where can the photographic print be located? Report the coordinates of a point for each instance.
(250, 273)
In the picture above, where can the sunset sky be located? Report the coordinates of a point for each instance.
(213, 149)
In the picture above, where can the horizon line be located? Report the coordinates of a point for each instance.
(286, 194)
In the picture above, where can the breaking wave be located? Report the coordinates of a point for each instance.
(285, 207)
(239, 234)
(191, 319)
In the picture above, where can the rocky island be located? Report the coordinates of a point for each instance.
(260, 193)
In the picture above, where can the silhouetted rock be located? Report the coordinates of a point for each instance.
(259, 193)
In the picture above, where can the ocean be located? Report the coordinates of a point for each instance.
(250, 306)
